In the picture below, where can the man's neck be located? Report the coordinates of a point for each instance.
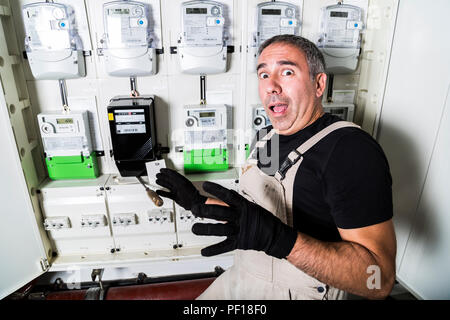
(316, 114)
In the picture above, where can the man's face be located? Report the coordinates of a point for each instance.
(285, 88)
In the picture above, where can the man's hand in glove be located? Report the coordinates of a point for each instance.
(182, 191)
(248, 226)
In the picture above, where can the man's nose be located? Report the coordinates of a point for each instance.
(273, 86)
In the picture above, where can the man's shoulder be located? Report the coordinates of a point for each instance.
(356, 148)
(355, 138)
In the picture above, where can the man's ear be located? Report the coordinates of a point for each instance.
(321, 83)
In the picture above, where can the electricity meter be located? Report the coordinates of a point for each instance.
(67, 145)
(340, 38)
(133, 133)
(260, 118)
(273, 18)
(207, 142)
(345, 111)
(53, 47)
(127, 44)
(202, 48)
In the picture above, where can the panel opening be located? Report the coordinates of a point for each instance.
(37, 157)
(10, 35)
(28, 119)
(19, 79)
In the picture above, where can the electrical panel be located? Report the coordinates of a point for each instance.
(91, 217)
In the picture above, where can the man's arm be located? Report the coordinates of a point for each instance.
(351, 264)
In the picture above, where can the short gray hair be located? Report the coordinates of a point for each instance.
(314, 57)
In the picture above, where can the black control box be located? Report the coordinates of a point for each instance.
(133, 133)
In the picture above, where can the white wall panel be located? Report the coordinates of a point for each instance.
(426, 262)
(419, 76)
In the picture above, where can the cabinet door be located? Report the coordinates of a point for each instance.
(411, 119)
(426, 265)
(21, 248)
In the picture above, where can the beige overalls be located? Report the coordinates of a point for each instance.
(255, 275)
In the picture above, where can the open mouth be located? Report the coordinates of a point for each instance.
(278, 109)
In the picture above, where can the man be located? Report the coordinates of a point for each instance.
(317, 226)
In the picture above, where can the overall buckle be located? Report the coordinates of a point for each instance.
(288, 163)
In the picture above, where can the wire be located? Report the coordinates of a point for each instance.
(133, 84)
(63, 91)
(202, 89)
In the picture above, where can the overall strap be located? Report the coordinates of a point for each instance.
(260, 144)
(294, 156)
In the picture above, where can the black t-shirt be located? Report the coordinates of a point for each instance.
(343, 181)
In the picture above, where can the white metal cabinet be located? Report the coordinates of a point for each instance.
(416, 89)
(426, 263)
(21, 247)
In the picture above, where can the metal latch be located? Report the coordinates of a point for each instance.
(96, 293)
(44, 264)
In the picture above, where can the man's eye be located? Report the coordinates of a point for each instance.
(288, 72)
(263, 75)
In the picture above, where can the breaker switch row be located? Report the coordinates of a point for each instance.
(56, 223)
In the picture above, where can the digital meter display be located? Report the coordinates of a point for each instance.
(196, 10)
(118, 11)
(339, 14)
(64, 121)
(272, 12)
(207, 114)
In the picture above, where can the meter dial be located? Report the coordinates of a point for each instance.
(190, 122)
(47, 128)
(137, 11)
(289, 12)
(58, 13)
(215, 11)
(258, 121)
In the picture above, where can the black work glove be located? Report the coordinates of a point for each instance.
(182, 191)
(249, 226)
